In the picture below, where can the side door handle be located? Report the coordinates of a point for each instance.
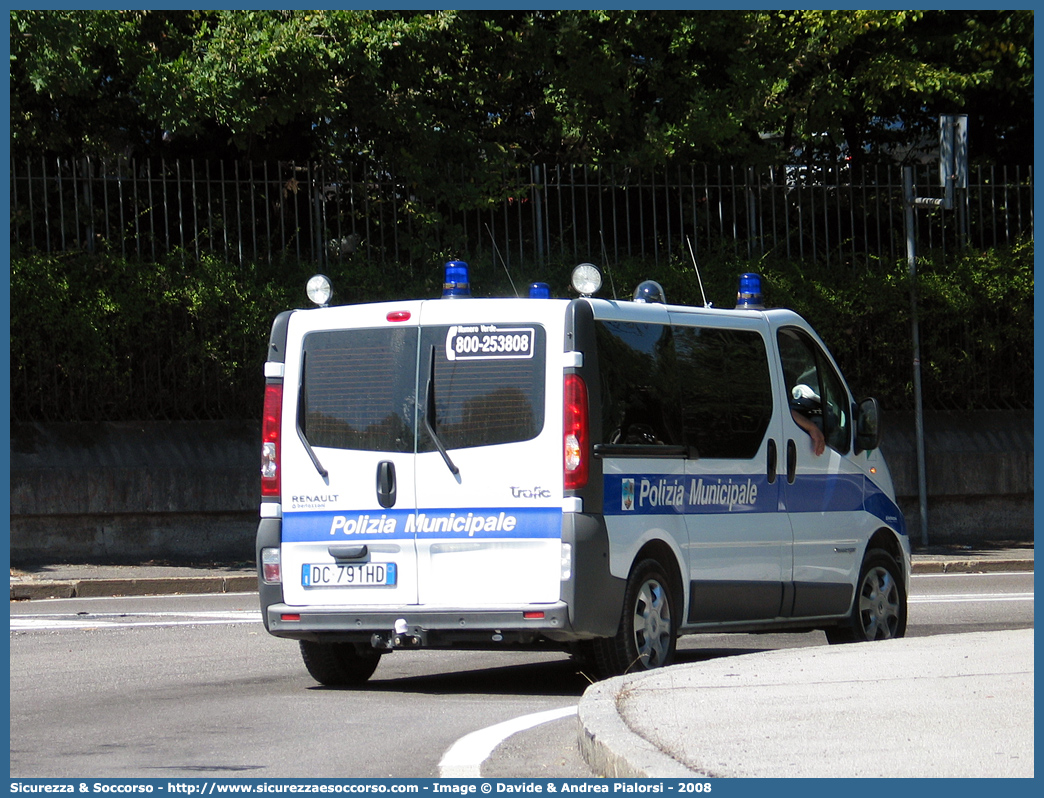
(773, 460)
(791, 461)
(386, 483)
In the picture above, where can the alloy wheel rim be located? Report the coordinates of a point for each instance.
(879, 605)
(652, 624)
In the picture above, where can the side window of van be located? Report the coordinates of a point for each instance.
(639, 387)
(726, 390)
(357, 389)
(814, 388)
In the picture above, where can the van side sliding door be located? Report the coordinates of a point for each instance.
(739, 548)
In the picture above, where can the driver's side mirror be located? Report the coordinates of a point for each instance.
(868, 426)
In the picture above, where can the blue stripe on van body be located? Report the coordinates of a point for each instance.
(659, 494)
(825, 493)
(880, 506)
(375, 525)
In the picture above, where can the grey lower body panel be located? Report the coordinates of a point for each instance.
(735, 601)
(416, 626)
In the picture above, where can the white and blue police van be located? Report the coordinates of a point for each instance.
(595, 475)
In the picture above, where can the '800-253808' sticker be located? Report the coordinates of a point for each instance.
(488, 341)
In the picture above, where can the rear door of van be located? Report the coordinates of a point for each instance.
(488, 528)
(348, 456)
(420, 464)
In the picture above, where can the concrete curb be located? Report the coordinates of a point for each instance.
(608, 745)
(971, 566)
(140, 586)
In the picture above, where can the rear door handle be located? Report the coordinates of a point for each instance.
(386, 483)
(791, 461)
(348, 552)
(773, 460)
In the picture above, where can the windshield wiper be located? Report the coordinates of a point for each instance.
(429, 415)
(300, 432)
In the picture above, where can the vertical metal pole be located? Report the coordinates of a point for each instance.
(911, 256)
(317, 222)
(538, 216)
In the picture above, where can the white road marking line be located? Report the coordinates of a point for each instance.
(964, 598)
(465, 757)
(21, 623)
(963, 575)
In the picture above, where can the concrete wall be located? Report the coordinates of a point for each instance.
(189, 492)
(979, 470)
(123, 492)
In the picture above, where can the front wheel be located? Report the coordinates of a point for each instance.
(879, 609)
(339, 664)
(648, 627)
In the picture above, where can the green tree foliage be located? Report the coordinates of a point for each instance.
(407, 89)
(99, 337)
(878, 80)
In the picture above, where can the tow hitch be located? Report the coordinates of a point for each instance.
(400, 637)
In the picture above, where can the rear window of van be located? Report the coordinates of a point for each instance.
(367, 389)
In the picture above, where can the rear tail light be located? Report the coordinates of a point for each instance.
(270, 439)
(271, 569)
(576, 435)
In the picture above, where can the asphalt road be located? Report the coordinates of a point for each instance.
(192, 686)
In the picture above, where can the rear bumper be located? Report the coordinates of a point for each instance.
(417, 627)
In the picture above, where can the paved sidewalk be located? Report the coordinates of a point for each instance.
(949, 706)
(80, 581)
(94, 581)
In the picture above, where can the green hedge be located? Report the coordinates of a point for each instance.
(97, 337)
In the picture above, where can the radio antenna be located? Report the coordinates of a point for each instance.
(605, 257)
(692, 255)
(502, 261)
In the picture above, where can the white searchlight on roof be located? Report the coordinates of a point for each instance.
(319, 289)
(586, 279)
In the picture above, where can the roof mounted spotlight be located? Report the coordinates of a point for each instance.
(649, 291)
(749, 295)
(586, 279)
(319, 289)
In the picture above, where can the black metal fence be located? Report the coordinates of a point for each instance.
(86, 360)
(257, 212)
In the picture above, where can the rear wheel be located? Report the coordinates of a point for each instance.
(339, 664)
(648, 627)
(879, 609)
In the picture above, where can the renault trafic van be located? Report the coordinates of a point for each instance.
(596, 475)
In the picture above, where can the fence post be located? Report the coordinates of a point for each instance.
(538, 210)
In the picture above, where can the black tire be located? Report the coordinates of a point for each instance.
(648, 629)
(339, 664)
(879, 608)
